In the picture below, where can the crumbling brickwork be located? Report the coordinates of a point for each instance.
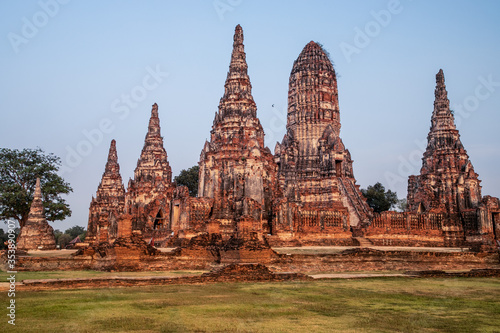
(447, 181)
(448, 184)
(150, 193)
(36, 234)
(306, 194)
(236, 170)
(314, 168)
(108, 204)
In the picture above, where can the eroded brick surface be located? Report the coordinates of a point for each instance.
(320, 195)
(36, 234)
(108, 204)
(236, 169)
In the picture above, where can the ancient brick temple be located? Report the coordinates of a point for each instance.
(447, 182)
(445, 205)
(306, 193)
(236, 170)
(315, 168)
(108, 204)
(36, 234)
(150, 192)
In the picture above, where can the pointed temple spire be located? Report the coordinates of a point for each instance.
(150, 191)
(235, 166)
(108, 203)
(237, 89)
(112, 166)
(154, 126)
(153, 164)
(442, 117)
(37, 196)
(447, 181)
(443, 133)
(36, 234)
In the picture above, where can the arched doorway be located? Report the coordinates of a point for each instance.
(159, 222)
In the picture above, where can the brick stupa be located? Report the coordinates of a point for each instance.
(447, 181)
(108, 203)
(315, 169)
(36, 234)
(236, 169)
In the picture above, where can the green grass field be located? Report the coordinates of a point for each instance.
(365, 305)
(39, 275)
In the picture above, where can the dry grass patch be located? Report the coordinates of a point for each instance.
(368, 305)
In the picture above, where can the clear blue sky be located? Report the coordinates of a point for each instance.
(68, 69)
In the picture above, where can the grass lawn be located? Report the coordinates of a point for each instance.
(367, 305)
(89, 274)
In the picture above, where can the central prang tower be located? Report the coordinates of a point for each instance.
(236, 169)
(315, 169)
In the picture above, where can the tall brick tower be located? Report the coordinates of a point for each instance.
(236, 169)
(315, 169)
(108, 203)
(447, 181)
(150, 192)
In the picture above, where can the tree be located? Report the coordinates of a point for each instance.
(64, 240)
(75, 231)
(57, 234)
(18, 173)
(189, 178)
(378, 198)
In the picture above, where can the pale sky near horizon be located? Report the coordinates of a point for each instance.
(77, 74)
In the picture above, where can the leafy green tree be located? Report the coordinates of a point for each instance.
(378, 198)
(57, 234)
(75, 231)
(189, 178)
(64, 240)
(19, 170)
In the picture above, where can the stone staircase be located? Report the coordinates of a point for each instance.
(355, 204)
(363, 242)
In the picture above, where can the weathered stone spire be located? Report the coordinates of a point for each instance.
(153, 166)
(447, 181)
(236, 169)
(36, 205)
(112, 166)
(154, 127)
(150, 192)
(108, 203)
(36, 234)
(237, 89)
(442, 117)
